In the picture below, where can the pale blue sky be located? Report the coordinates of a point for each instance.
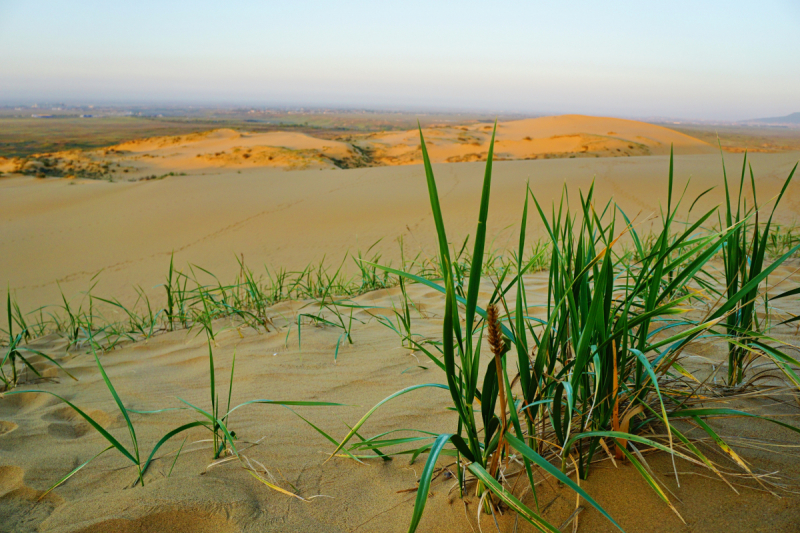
(693, 59)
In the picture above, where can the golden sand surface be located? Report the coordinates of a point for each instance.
(43, 439)
(63, 232)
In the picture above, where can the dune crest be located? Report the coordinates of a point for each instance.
(565, 136)
(536, 138)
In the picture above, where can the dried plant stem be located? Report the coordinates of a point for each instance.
(498, 347)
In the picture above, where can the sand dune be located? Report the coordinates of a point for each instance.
(67, 234)
(540, 138)
(537, 138)
(228, 148)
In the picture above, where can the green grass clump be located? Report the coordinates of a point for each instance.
(17, 351)
(604, 364)
(461, 354)
(744, 259)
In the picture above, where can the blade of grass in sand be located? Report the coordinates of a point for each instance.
(509, 499)
(73, 472)
(178, 454)
(360, 423)
(540, 461)
(425, 480)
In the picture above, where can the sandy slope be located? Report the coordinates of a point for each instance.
(540, 138)
(68, 230)
(42, 440)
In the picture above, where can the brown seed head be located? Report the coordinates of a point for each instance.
(495, 335)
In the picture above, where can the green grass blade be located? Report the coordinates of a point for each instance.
(540, 461)
(480, 242)
(216, 422)
(509, 499)
(433, 194)
(117, 400)
(295, 403)
(425, 480)
(701, 411)
(360, 423)
(650, 480)
(44, 355)
(175, 461)
(73, 472)
(168, 436)
(110, 438)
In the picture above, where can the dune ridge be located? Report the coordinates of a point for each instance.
(565, 136)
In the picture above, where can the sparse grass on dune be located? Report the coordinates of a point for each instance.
(595, 373)
(216, 420)
(195, 305)
(194, 297)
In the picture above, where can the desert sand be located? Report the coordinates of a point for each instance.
(62, 233)
(43, 440)
(565, 136)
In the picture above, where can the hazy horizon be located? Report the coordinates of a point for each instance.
(718, 61)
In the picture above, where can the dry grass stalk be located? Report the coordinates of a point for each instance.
(498, 347)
